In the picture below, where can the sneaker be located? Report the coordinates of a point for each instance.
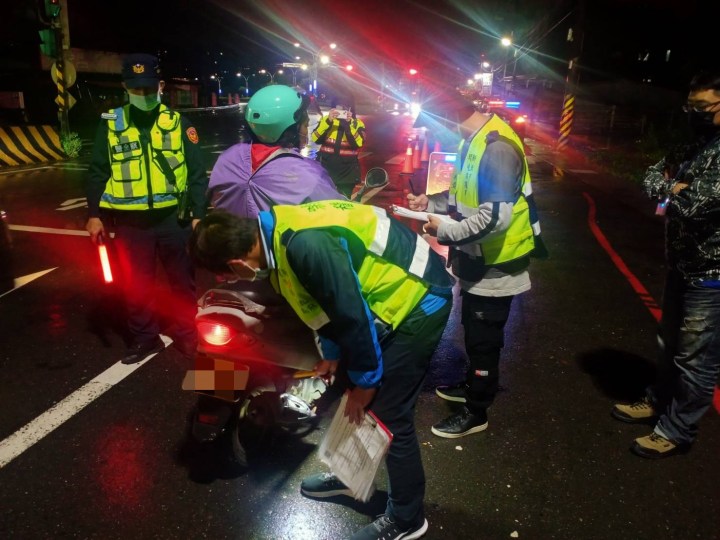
(640, 412)
(384, 528)
(460, 424)
(452, 393)
(323, 485)
(656, 446)
(140, 351)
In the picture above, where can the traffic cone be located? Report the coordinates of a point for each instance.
(408, 165)
(437, 147)
(416, 157)
(424, 157)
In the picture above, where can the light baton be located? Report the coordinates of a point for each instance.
(104, 260)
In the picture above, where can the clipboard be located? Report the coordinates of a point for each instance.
(354, 452)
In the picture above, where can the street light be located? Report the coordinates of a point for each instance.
(318, 58)
(266, 72)
(245, 79)
(218, 79)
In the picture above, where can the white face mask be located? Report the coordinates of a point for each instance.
(144, 103)
(258, 273)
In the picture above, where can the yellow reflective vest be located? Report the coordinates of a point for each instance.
(331, 128)
(517, 241)
(138, 180)
(392, 281)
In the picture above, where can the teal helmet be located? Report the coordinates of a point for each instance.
(272, 110)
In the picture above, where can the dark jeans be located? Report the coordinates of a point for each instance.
(689, 361)
(484, 318)
(406, 355)
(142, 238)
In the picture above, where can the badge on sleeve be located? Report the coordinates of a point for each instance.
(192, 135)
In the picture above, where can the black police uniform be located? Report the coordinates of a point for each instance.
(144, 235)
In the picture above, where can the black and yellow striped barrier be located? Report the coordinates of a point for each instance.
(25, 145)
(566, 121)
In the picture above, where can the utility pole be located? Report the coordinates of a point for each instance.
(55, 44)
(575, 37)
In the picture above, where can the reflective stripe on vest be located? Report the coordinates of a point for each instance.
(136, 182)
(394, 276)
(515, 242)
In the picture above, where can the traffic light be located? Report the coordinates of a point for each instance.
(47, 42)
(52, 8)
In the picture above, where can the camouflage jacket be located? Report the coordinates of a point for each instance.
(692, 228)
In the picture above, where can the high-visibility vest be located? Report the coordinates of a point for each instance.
(137, 179)
(398, 269)
(517, 241)
(332, 129)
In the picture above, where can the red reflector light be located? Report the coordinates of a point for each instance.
(215, 333)
(208, 419)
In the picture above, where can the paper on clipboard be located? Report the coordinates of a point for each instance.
(354, 452)
(420, 216)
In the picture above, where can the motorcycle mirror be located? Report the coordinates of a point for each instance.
(375, 180)
(376, 177)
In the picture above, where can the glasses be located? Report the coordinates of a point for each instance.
(699, 106)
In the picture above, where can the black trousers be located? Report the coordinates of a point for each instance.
(141, 239)
(406, 356)
(484, 318)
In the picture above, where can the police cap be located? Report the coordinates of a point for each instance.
(140, 70)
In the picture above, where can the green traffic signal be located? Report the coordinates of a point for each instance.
(52, 8)
(47, 42)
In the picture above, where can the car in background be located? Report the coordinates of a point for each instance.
(507, 110)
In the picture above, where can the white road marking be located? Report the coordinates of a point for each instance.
(58, 414)
(20, 171)
(48, 230)
(24, 280)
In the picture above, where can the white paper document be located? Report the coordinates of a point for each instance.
(354, 452)
(420, 216)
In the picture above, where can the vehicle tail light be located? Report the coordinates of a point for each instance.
(215, 333)
(520, 120)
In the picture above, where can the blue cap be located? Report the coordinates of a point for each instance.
(140, 70)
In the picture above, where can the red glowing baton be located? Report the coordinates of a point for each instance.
(104, 260)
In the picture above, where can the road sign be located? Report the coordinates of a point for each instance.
(71, 101)
(70, 73)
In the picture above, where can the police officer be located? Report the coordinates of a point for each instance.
(341, 134)
(145, 160)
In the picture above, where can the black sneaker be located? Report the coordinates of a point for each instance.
(140, 351)
(323, 485)
(454, 392)
(384, 528)
(460, 424)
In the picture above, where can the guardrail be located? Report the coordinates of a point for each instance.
(26, 145)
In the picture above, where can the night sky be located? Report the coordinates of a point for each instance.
(437, 37)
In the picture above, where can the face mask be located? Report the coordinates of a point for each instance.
(701, 122)
(258, 273)
(144, 103)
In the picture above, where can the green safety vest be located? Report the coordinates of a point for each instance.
(139, 183)
(392, 283)
(517, 241)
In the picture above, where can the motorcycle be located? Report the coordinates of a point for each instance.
(254, 363)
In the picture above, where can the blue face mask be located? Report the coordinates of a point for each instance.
(144, 103)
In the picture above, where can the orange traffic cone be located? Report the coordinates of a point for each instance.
(437, 147)
(408, 165)
(416, 156)
(424, 157)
